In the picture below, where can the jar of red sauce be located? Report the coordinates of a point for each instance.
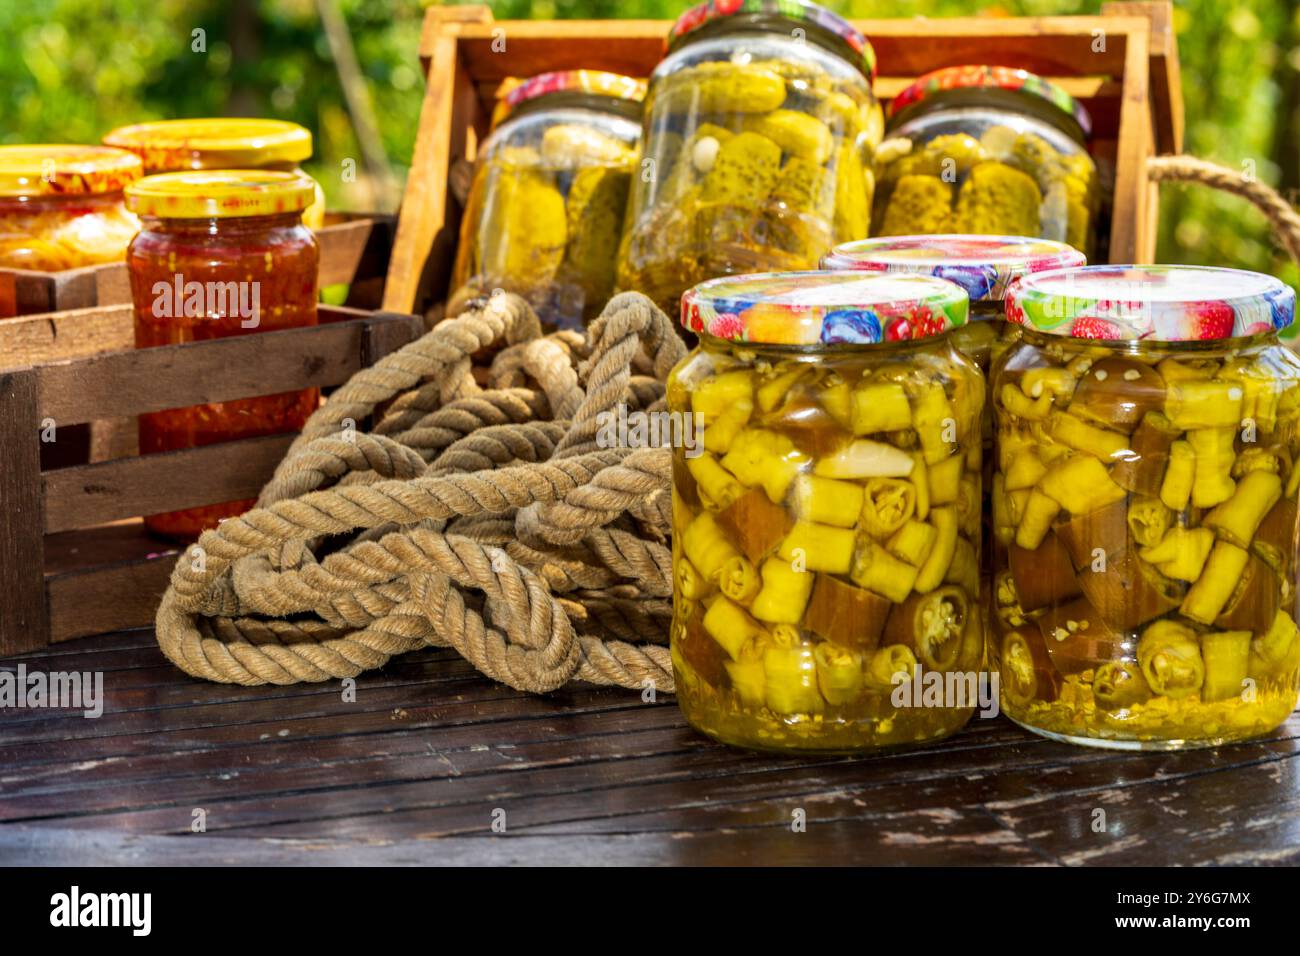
(220, 253)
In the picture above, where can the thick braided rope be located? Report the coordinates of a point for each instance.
(370, 544)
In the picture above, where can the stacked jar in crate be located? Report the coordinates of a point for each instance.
(990, 150)
(760, 124)
(545, 210)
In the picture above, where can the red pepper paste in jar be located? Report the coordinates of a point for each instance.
(220, 253)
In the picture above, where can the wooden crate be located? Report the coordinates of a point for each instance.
(74, 557)
(354, 250)
(1123, 64)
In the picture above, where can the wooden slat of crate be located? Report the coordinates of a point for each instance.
(69, 565)
(1123, 64)
(354, 246)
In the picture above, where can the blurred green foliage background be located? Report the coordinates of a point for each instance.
(73, 69)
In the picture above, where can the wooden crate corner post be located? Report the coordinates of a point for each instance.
(23, 624)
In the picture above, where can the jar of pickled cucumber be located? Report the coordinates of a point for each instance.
(826, 514)
(759, 130)
(61, 206)
(989, 150)
(1144, 507)
(545, 209)
(982, 265)
(235, 142)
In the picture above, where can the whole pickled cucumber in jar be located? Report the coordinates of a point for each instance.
(826, 512)
(546, 205)
(759, 128)
(1144, 506)
(988, 150)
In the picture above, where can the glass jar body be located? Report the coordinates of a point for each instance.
(757, 156)
(198, 279)
(1144, 519)
(545, 211)
(52, 233)
(826, 534)
(955, 166)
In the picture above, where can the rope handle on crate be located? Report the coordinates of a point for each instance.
(486, 518)
(1281, 215)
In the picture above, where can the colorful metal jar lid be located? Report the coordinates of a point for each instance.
(985, 76)
(798, 11)
(61, 169)
(823, 308)
(982, 265)
(616, 86)
(1160, 303)
(220, 194)
(213, 143)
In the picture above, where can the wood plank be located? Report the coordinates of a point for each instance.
(105, 491)
(215, 370)
(1041, 44)
(1132, 236)
(354, 247)
(107, 598)
(71, 334)
(1166, 71)
(22, 601)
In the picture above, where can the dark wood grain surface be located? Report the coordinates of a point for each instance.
(429, 754)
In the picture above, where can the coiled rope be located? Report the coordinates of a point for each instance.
(480, 512)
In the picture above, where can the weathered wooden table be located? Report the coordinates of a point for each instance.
(429, 756)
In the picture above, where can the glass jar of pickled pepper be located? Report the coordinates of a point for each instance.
(826, 514)
(759, 129)
(61, 206)
(1144, 510)
(220, 253)
(985, 266)
(234, 142)
(989, 150)
(545, 209)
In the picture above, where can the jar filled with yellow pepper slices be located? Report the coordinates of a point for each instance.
(989, 150)
(760, 125)
(826, 520)
(1144, 506)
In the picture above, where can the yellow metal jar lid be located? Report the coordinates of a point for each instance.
(65, 170)
(214, 143)
(220, 194)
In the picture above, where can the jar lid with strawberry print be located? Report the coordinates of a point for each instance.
(824, 308)
(1159, 303)
(982, 265)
